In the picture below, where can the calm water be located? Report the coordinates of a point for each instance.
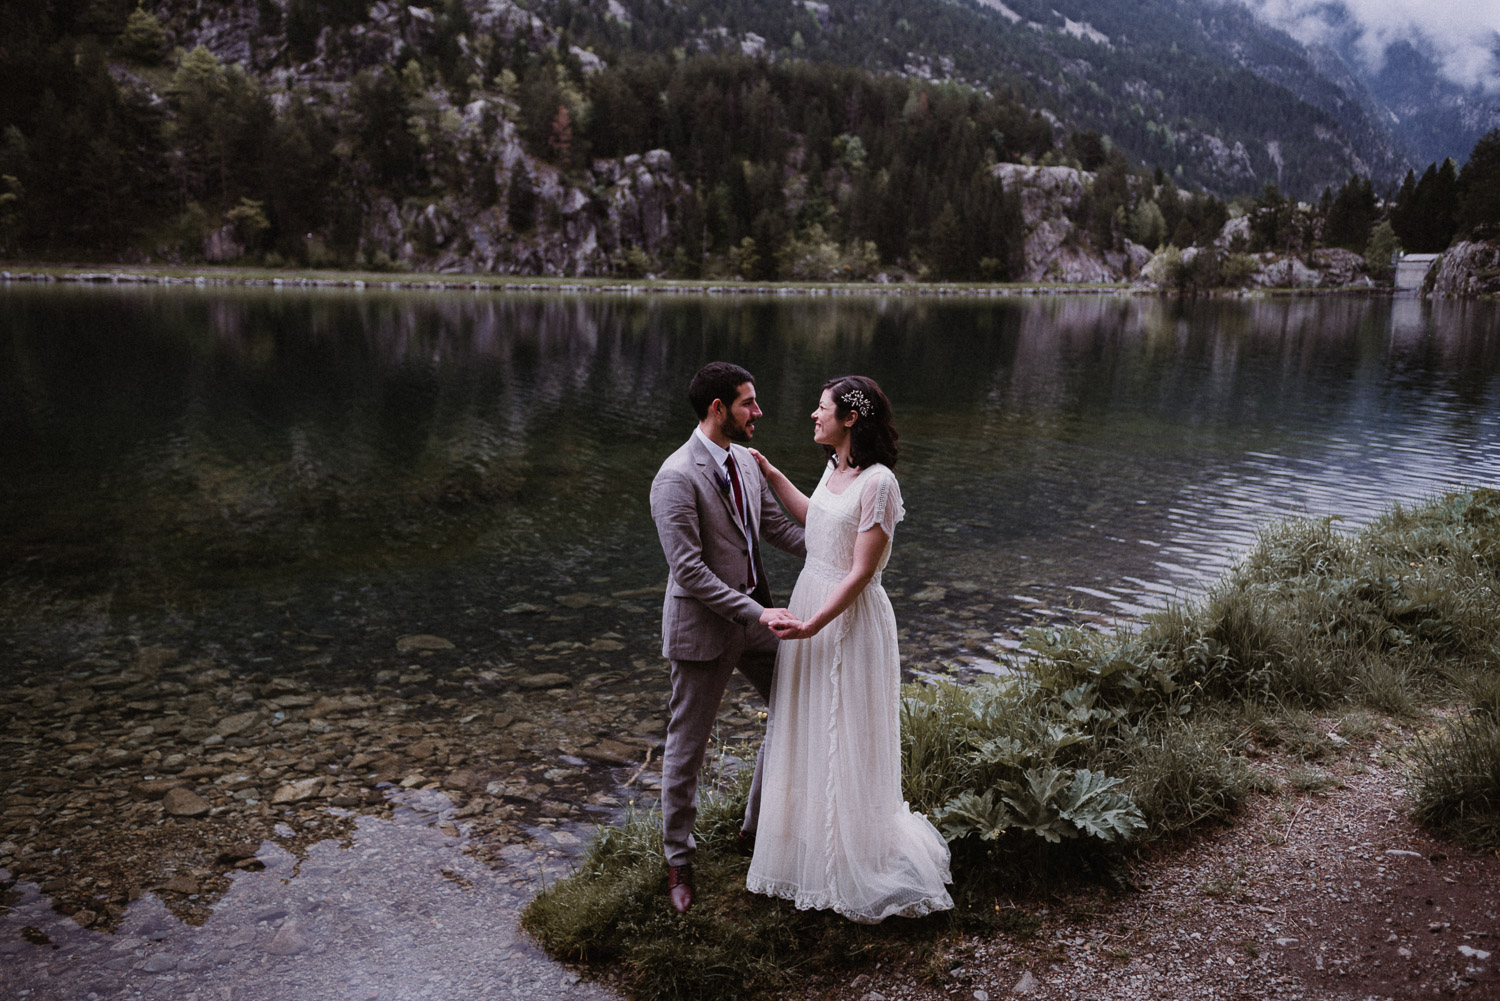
(294, 479)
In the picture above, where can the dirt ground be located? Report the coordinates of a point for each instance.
(1325, 894)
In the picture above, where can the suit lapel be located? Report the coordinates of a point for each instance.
(708, 467)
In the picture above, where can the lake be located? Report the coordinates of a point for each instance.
(293, 479)
(368, 581)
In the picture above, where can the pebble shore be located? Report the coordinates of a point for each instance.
(164, 815)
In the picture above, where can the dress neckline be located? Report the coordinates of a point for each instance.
(848, 486)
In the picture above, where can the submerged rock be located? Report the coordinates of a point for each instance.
(538, 682)
(231, 726)
(183, 802)
(297, 792)
(289, 940)
(423, 641)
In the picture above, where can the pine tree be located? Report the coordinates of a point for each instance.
(945, 245)
(1350, 215)
(520, 198)
(143, 40)
(1479, 188)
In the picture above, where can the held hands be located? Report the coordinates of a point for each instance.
(785, 625)
(791, 629)
(773, 617)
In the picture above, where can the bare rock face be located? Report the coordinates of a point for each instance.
(1055, 250)
(620, 204)
(1046, 192)
(222, 244)
(1465, 270)
(1236, 229)
(1286, 272)
(1338, 268)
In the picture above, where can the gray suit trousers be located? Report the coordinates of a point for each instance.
(697, 689)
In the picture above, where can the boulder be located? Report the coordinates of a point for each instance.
(538, 682)
(298, 791)
(1465, 270)
(223, 244)
(422, 641)
(182, 802)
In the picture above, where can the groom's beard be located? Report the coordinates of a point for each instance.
(735, 431)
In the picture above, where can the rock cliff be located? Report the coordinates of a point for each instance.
(1056, 249)
(582, 221)
(1465, 270)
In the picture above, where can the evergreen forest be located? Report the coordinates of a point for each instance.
(286, 128)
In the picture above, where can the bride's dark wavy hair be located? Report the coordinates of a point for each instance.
(873, 437)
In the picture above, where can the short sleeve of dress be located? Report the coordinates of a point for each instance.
(880, 502)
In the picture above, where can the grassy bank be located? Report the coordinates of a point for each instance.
(1102, 744)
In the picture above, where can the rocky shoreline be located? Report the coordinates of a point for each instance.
(555, 285)
(158, 774)
(459, 283)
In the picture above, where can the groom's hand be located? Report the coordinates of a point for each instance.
(774, 617)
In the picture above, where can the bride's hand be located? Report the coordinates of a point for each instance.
(760, 460)
(793, 630)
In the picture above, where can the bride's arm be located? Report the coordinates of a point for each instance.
(794, 500)
(868, 547)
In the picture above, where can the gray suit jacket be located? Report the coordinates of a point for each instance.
(706, 550)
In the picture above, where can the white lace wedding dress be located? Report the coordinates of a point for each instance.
(834, 832)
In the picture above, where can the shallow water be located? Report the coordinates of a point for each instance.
(394, 910)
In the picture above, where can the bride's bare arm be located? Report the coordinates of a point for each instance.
(868, 546)
(794, 500)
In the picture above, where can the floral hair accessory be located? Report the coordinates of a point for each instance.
(856, 400)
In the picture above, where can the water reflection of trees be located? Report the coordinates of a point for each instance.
(184, 432)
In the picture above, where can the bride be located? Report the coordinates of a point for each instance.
(834, 832)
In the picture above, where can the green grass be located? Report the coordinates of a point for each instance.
(1103, 743)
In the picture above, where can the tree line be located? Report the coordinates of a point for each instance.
(114, 144)
(1423, 215)
(795, 169)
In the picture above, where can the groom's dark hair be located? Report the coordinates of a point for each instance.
(718, 380)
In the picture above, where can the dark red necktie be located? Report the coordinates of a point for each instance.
(739, 507)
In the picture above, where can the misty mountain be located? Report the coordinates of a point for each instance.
(1430, 116)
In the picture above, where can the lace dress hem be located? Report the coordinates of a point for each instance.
(805, 900)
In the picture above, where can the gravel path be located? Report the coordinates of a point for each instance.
(1335, 896)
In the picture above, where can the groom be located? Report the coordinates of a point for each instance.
(711, 504)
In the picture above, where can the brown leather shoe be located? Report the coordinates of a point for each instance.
(680, 887)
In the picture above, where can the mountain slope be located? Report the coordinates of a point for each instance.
(1429, 115)
(1204, 89)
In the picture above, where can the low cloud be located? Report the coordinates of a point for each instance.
(1463, 36)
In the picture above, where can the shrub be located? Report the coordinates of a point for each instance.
(1187, 774)
(1457, 782)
